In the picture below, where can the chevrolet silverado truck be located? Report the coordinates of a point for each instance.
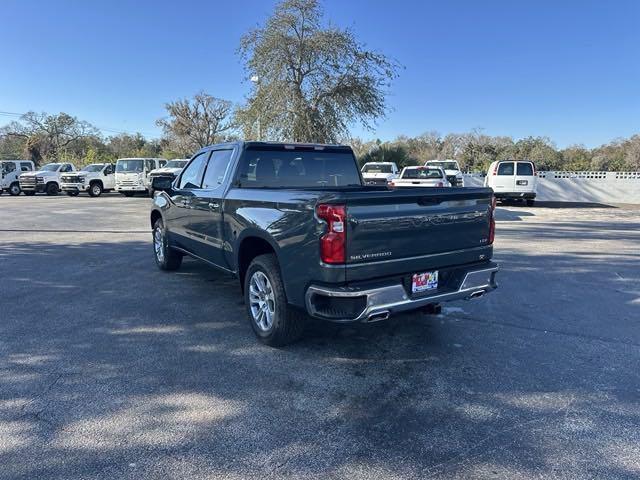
(305, 236)
(93, 179)
(46, 179)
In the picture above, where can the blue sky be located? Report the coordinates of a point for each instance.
(569, 70)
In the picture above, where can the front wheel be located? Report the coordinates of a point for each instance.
(14, 189)
(273, 320)
(95, 189)
(166, 257)
(52, 189)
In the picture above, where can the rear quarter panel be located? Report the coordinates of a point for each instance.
(286, 219)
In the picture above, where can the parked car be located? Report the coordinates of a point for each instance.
(171, 169)
(10, 170)
(451, 169)
(379, 173)
(132, 174)
(46, 179)
(513, 180)
(93, 179)
(305, 236)
(421, 177)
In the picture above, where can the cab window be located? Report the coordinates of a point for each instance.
(65, 168)
(505, 168)
(25, 166)
(192, 175)
(8, 167)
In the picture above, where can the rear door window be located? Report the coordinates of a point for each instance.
(525, 168)
(216, 168)
(505, 168)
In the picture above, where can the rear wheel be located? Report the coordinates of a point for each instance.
(52, 189)
(14, 189)
(273, 320)
(166, 257)
(95, 189)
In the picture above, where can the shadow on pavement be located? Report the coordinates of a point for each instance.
(110, 368)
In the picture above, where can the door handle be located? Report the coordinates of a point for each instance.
(213, 205)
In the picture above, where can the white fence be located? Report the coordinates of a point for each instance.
(596, 187)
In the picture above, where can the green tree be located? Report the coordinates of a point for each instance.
(311, 80)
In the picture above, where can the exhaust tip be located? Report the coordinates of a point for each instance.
(376, 317)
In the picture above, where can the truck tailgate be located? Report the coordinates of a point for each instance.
(415, 230)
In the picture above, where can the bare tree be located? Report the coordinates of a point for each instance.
(49, 136)
(196, 123)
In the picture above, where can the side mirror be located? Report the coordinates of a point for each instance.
(163, 183)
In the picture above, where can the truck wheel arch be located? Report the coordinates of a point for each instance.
(155, 215)
(250, 246)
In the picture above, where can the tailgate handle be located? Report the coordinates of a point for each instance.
(425, 201)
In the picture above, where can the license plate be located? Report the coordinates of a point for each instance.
(522, 182)
(421, 282)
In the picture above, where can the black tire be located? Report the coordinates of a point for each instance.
(530, 203)
(128, 194)
(14, 189)
(166, 257)
(29, 193)
(287, 323)
(52, 189)
(73, 194)
(95, 189)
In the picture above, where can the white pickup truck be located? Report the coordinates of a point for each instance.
(10, 170)
(451, 169)
(379, 173)
(421, 177)
(171, 169)
(93, 179)
(46, 179)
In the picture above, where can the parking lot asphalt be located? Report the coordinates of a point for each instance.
(110, 368)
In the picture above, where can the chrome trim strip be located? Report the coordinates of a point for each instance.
(193, 255)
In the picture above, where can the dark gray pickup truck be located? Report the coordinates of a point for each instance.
(304, 235)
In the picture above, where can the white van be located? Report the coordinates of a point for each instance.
(132, 174)
(10, 170)
(511, 179)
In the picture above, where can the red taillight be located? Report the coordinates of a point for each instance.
(492, 221)
(333, 242)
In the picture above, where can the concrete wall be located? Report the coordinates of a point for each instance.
(596, 187)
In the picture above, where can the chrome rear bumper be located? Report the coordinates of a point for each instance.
(380, 302)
